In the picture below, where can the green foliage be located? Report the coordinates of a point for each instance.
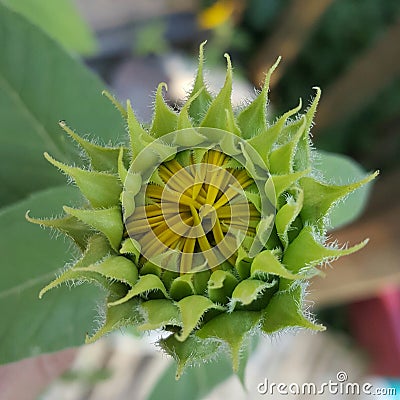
(35, 93)
(341, 170)
(150, 39)
(194, 384)
(59, 19)
(31, 326)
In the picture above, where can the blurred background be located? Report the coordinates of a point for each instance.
(351, 49)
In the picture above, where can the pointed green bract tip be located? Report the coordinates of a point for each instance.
(269, 74)
(201, 54)
(164, 119)
(28, 218)
(115, 102)
(228, 77)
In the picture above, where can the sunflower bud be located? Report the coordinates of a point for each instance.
(208, 225)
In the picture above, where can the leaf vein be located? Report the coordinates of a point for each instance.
(26, 285)
(40, 129)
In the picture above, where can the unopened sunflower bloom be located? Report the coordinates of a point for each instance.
(208, 225)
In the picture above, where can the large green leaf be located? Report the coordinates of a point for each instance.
(41, 84)
(30, 259)
(60, 20)
(341, 170)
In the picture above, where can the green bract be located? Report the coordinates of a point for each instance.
(235, 183)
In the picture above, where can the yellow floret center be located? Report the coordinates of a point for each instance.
(201, 208)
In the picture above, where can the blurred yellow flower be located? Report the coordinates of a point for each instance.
(216, 15)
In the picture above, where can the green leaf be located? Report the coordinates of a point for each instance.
(190, 352)
(204, 98)
(96, 250)
(165, 120)
(200, 280)
(115, 103)
(184, 120)
(252, 292)
(283, 182)
(68, 225)
(159, 313)
(122, 171)
(117, 317)
(192, 309)
(145, 284)
(101, 189)
(139, 138)
(105, 220)
(252, 120)
(60, 19)
(264, 141)
(320, 197)
(35, 93)
(303, 152)
(232, 329)
(130, 246)
(116, 268)
(285, 310)
(101, 158)
(305, 251)
(30, 260)
(220, 113)
(266, 263)
(281, 160)
(340, 169)
(194, 384)
(243, 263)
(132, 187)
(287, 214)
(182, 287)
(221, 285)
(150, 268)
